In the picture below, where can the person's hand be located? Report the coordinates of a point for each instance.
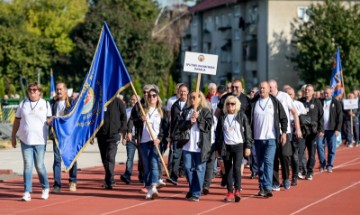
(143, 118)
(337, 133)
(283, 139)
(49, 121)
(156, 142)
(195, 114)
(298, 133)
(193, 120)
(321, 134)
(123, 141)
(13, 142)
(129, 136)
(247, 152)
(92, 142)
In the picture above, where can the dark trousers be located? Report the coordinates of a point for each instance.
(209, 172)
(296, 144)
(310, 143)
(232, 163)
(351, 136)
(253, 160)
(108, 150)
(176, 154)
(282, 154)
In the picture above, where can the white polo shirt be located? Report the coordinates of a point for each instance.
(33, 115)
(264, 123)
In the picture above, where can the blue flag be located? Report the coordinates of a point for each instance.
(107, 77)
(336, 76)
(52, 85)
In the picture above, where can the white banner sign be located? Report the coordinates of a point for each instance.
(200, 63)
(350, 104)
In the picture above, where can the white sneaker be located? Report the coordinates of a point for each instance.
(152, 193)
(45, 194)
(26, 197)
(161, 184)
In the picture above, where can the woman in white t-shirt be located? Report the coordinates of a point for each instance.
(31, 120)
(233, 140)
(196, 150)
(155, 115)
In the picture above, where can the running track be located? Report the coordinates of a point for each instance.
(327, 193)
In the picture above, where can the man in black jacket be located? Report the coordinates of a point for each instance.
(332, 127)
(175, 114)
(108, 138)
(315, 113)
(269, 124)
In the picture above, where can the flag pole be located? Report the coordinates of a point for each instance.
(150, 130)
(197, 92)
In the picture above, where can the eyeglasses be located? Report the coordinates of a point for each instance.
(152, 95)
(33, 89)
(193, 97)
(230, 103)
(145, 92)
(235, 87)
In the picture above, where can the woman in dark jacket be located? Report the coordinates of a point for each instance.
(156, 117)
(233, 140)
(195, 151)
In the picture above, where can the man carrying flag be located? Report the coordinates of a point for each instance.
(107, 78)
(336, 82)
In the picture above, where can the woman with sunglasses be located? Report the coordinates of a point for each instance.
(155, 115)
(31, 120)
(233, 135)
(196, 150)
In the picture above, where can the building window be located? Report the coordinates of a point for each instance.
(237, 11)
(237, 34)
(217, 21)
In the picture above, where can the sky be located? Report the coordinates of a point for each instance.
(170, 2)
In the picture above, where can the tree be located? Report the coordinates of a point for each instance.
(131, 23)
(331, 25)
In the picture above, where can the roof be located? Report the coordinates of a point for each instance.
(209, 4)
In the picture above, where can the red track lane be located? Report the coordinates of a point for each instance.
(327, 193)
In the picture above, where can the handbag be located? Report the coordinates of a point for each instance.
(181, 138)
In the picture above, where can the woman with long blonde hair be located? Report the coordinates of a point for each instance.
(156, 118)
(195, 152)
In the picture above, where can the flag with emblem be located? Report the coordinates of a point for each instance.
(336, 81)
(107, 77)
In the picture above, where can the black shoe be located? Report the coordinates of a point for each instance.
(223, 182)
(253, 175)
(205, 191)
(172, 181)
(268, 193)
(294, 182)
(188, 195)
(125, 180)
(262, 192)
(309, 176)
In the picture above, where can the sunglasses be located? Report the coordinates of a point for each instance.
(33, 89)
(235, 87)
(230, 103)
(193, 97)
(145, 92)
(152, 95)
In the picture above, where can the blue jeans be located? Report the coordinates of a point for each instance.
(130, 153)
(57, 168)
(34, 154)
(195, 172)
(265, 153)
(330, 138)
(150, 160)
(253, 160)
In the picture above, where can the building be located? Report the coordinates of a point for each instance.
(251, 37)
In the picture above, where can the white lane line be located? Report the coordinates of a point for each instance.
(325, 198)
(140, 204)
(50, 205)
(223, 205)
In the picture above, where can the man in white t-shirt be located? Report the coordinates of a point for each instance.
(284, 152)
(173, 99)
(269, 123)
(61, 105)
(296, 143)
